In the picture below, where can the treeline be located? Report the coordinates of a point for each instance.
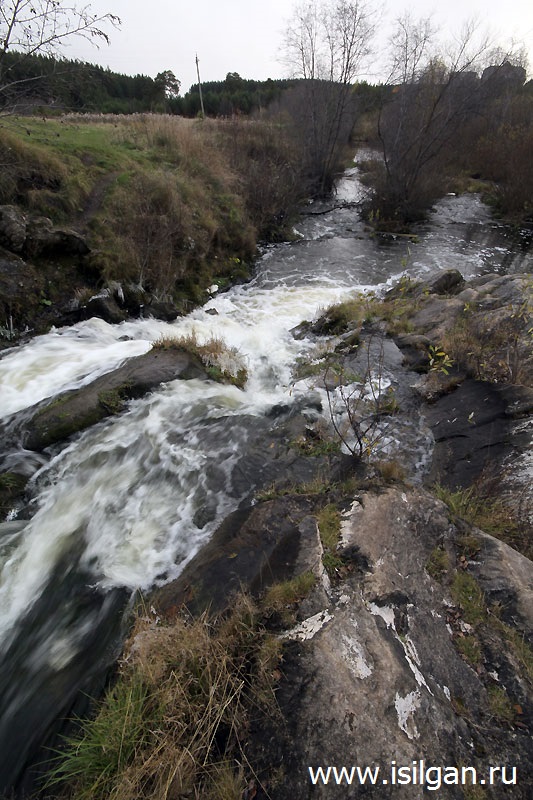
(233, 95)
(40, 80)
(29, 82)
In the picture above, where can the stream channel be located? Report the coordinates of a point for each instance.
(127, 503)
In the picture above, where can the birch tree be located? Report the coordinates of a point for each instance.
(434, 93)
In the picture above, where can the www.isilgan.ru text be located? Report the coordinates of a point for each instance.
(415, 774)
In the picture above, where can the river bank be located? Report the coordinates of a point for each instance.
(133, 216)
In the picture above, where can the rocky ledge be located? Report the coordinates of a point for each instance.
(413, 649)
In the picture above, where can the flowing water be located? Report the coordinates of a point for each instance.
(131, 500)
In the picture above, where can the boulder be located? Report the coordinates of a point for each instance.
(105, 307)
(253, 547)
(46, 240)
(377, 676)
(59, 418)
(448, 282)
(12, 228)
(161, 310)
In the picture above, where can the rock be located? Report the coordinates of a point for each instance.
(471, 430)
(43, 239)
(12, 228)
(253, 547)
(71, 412)
(21, 286)
(518, 400)
(302, 330)
(448, 282)
(161, 310)
(376, 677)
(105, 307)
(133, 300)
(415, 349)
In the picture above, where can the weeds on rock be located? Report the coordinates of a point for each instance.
(222, 362)
(478, 506)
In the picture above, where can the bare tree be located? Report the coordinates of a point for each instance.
(28, 27)
(434, 94)
(326, 43)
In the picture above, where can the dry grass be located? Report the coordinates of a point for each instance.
(495, 347)
(23, 163)
(177, 717)
(222, 362)
(480, 505)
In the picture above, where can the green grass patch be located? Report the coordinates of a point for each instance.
(467, 594)
(470, 648)
(438, 563)
(490, 514)
(520, 649)
(329, 525)
(107, 745)
(500, 705)
(289, 592)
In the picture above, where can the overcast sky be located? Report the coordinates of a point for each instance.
(245, 36)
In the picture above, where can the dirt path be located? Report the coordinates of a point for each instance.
(94, 201)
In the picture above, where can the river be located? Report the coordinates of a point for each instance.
(127, 503)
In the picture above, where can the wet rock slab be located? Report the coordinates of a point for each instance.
(76, 410)
(376, 675)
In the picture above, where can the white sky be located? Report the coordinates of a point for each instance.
(245, 36)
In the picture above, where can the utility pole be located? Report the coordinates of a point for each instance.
(200, 88)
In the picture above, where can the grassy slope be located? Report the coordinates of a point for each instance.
(156, 196)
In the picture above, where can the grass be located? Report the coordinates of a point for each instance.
(467, 594)
(318, 486)
(162, 200)
(339, 317)
(390, 470)
(491, 514)
(516, 644)
(174, 722)
(329, 527)
(438, 563)
(500, 706)
(497, 352)
(470, 648)
(222, 363)
(288, 593)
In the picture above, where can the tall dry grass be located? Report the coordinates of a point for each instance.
(175, 722)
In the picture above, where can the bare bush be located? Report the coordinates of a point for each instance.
(326, 45)
(269, 169)
(358, 403)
